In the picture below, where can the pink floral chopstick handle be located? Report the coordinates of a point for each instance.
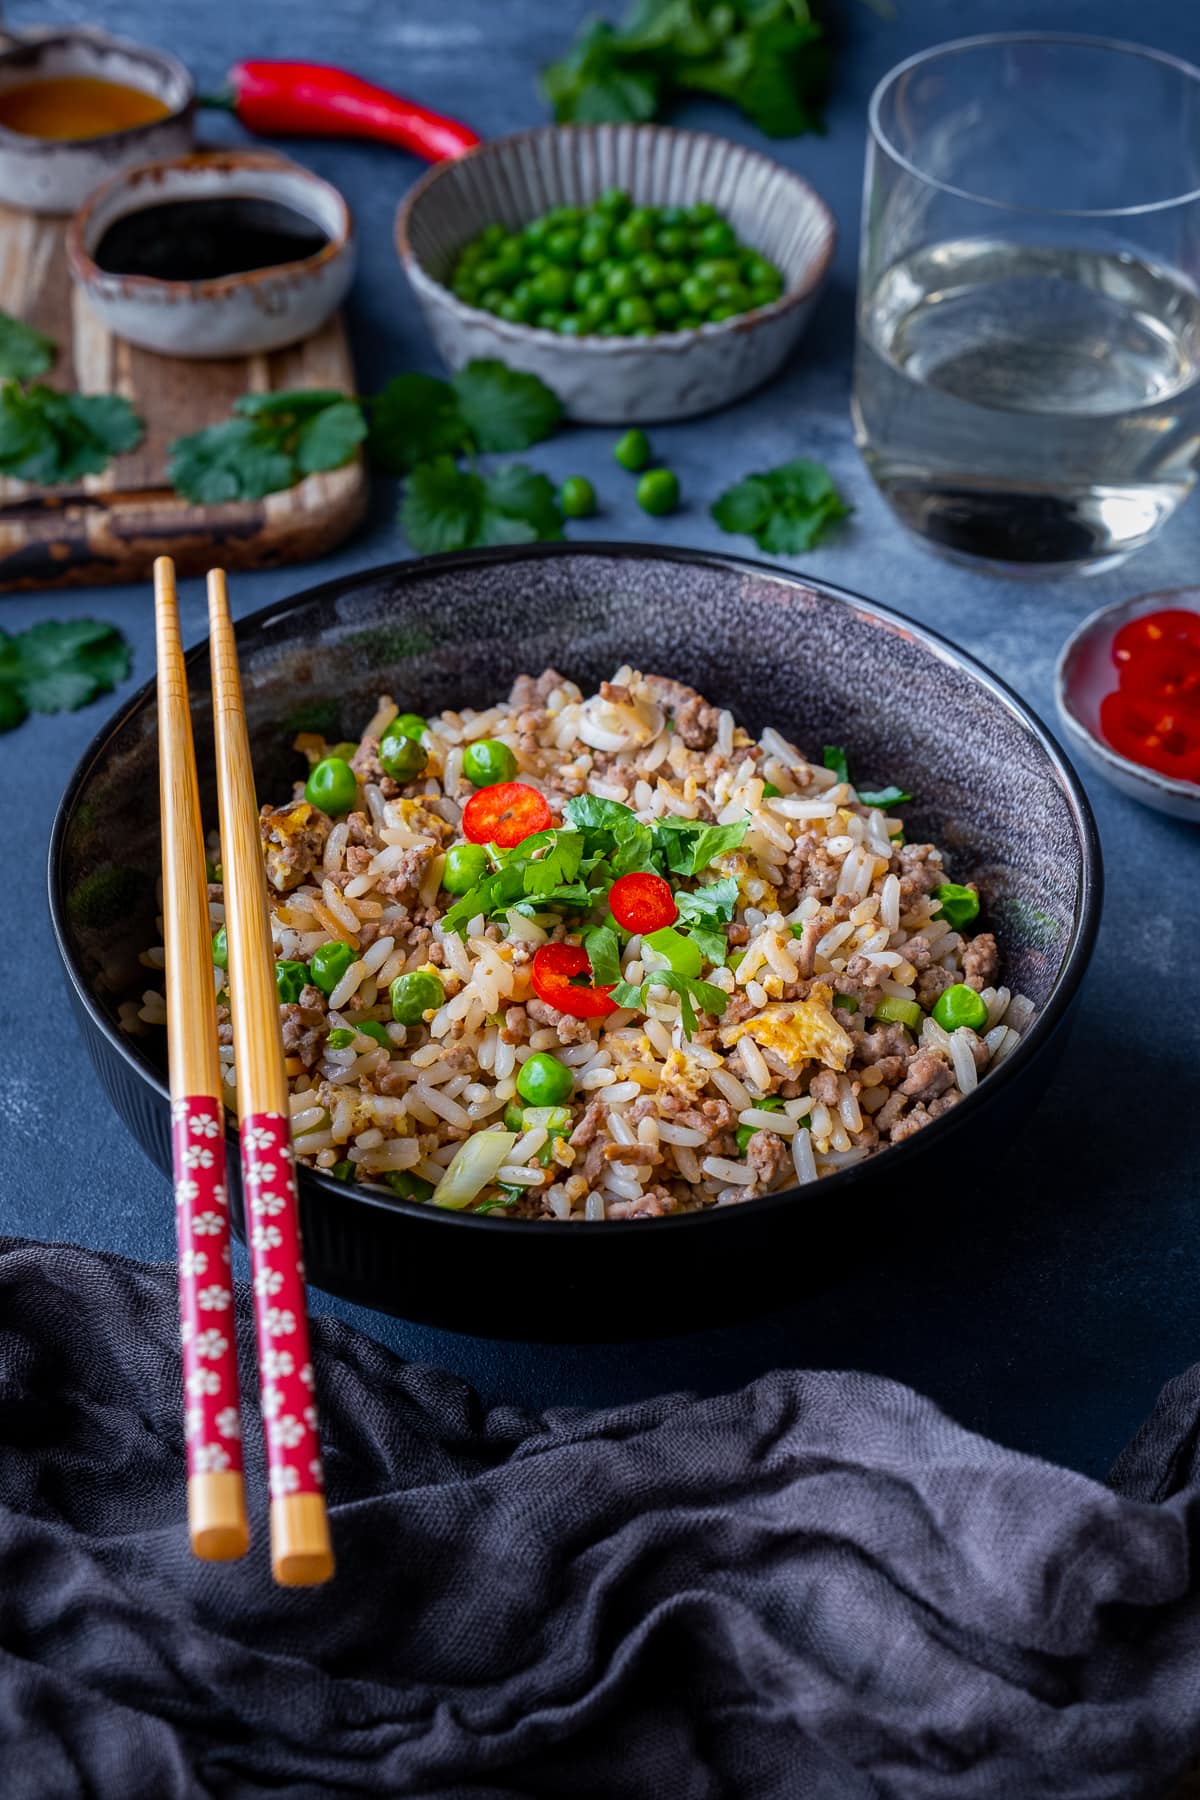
(212, 1421)
(272, 1226)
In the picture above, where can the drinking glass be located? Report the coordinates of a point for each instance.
(1027, 364)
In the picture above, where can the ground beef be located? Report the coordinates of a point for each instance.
(980, 961)
(655, 1203)
(910, 1123)
(365, 761)
(867, 974)
(929, 1074)
(224, 1025)
(614, 691)
(358, 859)
(632, 1153)
(359, 830)
(943, 1103)
(585, 1132)
(890, 1069)
(737, 935)
(569, 1030)
(293, 842)
(824, 1087)
(530, 691)
(216, 891)
(696, 721)
(931, 985)
(889, 1113)
(919, 867)
(885, 1040)
(408, 874)
(768, 1155)
(303, 1030)
(813, 929)
(515, 1028)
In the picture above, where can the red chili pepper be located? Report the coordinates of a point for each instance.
(505, 814)
(299, 99)
(1168, 675)
(642, 902)
(1158, 737)
(553, 971)
(1173, 626)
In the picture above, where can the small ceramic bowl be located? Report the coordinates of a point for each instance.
(234, 315)
(52, 175)
(620, 380)
(1086, 673)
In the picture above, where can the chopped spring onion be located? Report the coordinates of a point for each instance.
(474, 1165)
(904, 1012)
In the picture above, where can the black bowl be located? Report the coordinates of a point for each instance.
(991, 787)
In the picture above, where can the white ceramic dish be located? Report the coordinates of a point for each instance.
(45, 175)
(1086, 673)
(632, 380)
(235, 315)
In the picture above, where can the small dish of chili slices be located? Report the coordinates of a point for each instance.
(1128, 691)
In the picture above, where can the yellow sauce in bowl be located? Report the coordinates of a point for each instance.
(76, 106)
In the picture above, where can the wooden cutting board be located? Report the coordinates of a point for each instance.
(110, 527)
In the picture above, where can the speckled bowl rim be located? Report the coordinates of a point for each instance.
(1104, 753)
(1074, 964)
(589, 341)
(96, 35)
(88, 273)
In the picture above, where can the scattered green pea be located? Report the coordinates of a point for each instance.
(340, 1039)
(415, 994)
(291, 978)
(658, 492)
(329, 963)
(544, 1081)
(959, 1005)
(959, 905)
(220, 949)
(332, 786)
(577, 497)
(632, 450)
(487, 762)
(466, 866)
(400, 754)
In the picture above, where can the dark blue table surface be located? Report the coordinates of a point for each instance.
(1049, 1326)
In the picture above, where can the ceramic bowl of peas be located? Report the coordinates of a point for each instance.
(643, 273)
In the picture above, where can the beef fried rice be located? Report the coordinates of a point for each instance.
(608, 957)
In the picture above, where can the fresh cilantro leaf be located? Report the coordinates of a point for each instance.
(270, 444)
(785, 510)
(504, 409)
(888, 796)
(448, 508)
(558, 867)
(415, 420)
(588, 812)
(598, 83)
(708, 998)
(603, 952)
(494, 893)
(58, 666)
(689, 845)
(835, 758)
(712, 944)
(50, 437)
(23, 351)
(714, 903)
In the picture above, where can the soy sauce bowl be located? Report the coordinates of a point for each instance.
(1086, 673)
(229, 315)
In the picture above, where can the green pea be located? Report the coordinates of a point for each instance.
(718, 314)
(465, 289)
(343, 1171)
(415, 994)
(758, 271)
(400, 755)
(717, 239)
(689, 322)
(652, 273)
(673, 241)
(291, 978)
(329, 963)
(487, 762)
(408, 1185)
(220, 949)
(535, 264)
(466, 866)
(514, 1118)
(594, 246)
(516, 315)
(492, 299)
(633, 235)
(331, 786)
(632, 450)
(658, 492)
(373, 1029)
(577, 497)
(614, 201)
(959, 1005)
(522, 296)
(702, 213)
(714, 269)
(634, 313)
(491, 235)
(410, 724)
(552, 287)
(544, 1081)
(959, 905)
(677, 271)
(668, 307)
(587, 283)
(732, 293)
(562, 246)
(672, 215)
(696, 295)
(745, 1132)
(570, 325)
(762, 297)
(620, 281)
(549, 319)
(341, 1039)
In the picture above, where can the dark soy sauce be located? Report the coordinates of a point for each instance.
(201, 240)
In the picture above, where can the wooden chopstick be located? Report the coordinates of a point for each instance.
(301, 1553)
(216, 1489)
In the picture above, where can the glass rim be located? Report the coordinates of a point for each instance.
(994, 40)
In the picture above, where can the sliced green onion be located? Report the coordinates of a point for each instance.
(904, 1012)
(958, 905)
(341, 1039)
(847, 1002)
(474, 1164)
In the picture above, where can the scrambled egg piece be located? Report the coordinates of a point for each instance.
(683, 1077)
(798, 1031)
(753, 887)
(293, 840)
(416, 817)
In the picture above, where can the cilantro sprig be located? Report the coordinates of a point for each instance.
(50, 437)
(58, 665)
(485, 406)
(691, 990)
(23, 351)
(273, 441)
(448, 508)
(835, 759)
(785, 510)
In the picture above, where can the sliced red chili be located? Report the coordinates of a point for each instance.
(505, 814)
(642, 902)
(1172, 626)
(555, 970)
(1158, 737)
(1169, 675)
